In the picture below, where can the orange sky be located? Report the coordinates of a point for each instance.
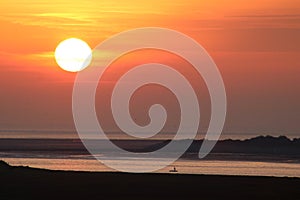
(256, 45)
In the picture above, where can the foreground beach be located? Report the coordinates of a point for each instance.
(29, 183)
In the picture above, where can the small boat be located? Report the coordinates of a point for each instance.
(173, 170)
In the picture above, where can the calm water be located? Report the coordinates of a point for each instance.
(67, 155)
(183, 166)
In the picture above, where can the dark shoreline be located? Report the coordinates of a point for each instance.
(29, 183)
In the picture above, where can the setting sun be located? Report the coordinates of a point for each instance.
(73, 55)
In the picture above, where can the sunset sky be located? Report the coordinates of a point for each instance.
(255, 44)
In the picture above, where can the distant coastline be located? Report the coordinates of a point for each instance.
(72, 134)
(261, 148)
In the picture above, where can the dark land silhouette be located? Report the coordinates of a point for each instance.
(29, 183)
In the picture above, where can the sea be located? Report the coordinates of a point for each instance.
(26, 152)
(183, 166)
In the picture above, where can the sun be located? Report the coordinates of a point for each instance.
(73, 55)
